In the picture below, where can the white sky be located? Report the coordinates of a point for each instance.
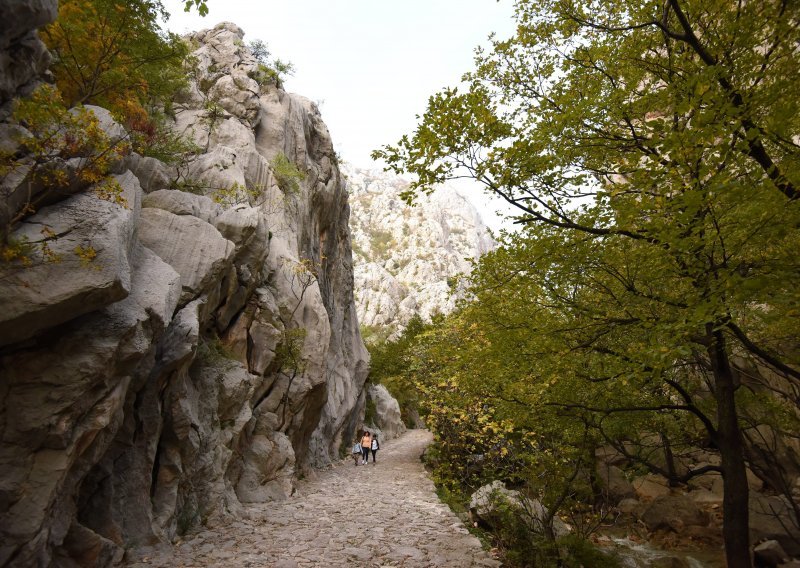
(370, 65)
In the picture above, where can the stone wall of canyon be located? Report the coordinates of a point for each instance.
(210, 351)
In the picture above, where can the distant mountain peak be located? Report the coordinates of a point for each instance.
(407, 258)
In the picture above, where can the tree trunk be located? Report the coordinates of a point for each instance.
(669, 459)
(735, 513)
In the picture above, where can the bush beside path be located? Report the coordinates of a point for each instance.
(385, 514)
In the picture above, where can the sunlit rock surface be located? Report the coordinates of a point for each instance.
(408, 259)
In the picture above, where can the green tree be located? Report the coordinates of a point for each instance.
(474, 374)
(390, 363)
(108, 53)
(201, 5)
(115, 54)
(650, 147)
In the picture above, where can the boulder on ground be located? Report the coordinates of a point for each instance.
(674, 513)
(483, 506)
(649, 487)
(609, 455)
(705, 497)
(614, 482)
(769, 553)
(387, 412)
(629, 506)
(771, 518)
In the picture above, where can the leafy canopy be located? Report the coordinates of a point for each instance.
(115, 54)
(650, 149)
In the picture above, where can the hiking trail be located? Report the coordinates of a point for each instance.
(386, 514)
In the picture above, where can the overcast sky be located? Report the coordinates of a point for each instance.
(371, 65)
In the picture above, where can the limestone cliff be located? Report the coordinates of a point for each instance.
(207, 354)
(407, 259)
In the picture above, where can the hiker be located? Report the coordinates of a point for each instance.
(375, 447)
(366, 444)
(357, 454)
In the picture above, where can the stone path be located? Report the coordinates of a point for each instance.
(385, 514)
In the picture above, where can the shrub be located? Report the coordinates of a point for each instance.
(519, 534)
(267, 73)
(53, 135)
(380, 242)
(260, 50)
(287, 174)
(272, 74)
(235, 194)
(212, 352)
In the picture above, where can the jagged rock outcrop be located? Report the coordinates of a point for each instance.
(23, 56)
(407, 259)
(210, 350)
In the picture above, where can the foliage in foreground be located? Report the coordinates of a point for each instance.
(66, 151)
(478, 441)
(116, 55)
(650, 150)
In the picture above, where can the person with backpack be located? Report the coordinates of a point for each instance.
(366, 444)
(375, 447)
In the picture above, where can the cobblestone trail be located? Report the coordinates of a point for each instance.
(385, 514)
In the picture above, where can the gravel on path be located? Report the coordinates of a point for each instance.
(383, 514)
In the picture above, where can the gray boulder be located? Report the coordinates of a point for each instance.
(674, 513)
(771, 518)
(23, 56)
(114, 130)
(195, 249)
(484, 502)
(238, 94)
(238, 224)
(649, 487)
(769, 553)
(615, 483)
(153, 174)
(387, 412)
(267, 464)
(86, 266)
(183, 203)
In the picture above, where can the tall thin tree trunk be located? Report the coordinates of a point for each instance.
(735, 513)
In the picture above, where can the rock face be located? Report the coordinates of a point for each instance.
(23, 56)
(208, 353)
(407, 259)
(387, 413)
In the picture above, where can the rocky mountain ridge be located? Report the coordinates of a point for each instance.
(407, 259)
(209, 351)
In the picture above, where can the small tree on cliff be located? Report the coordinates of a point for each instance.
(115, 54)
(660, 137)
